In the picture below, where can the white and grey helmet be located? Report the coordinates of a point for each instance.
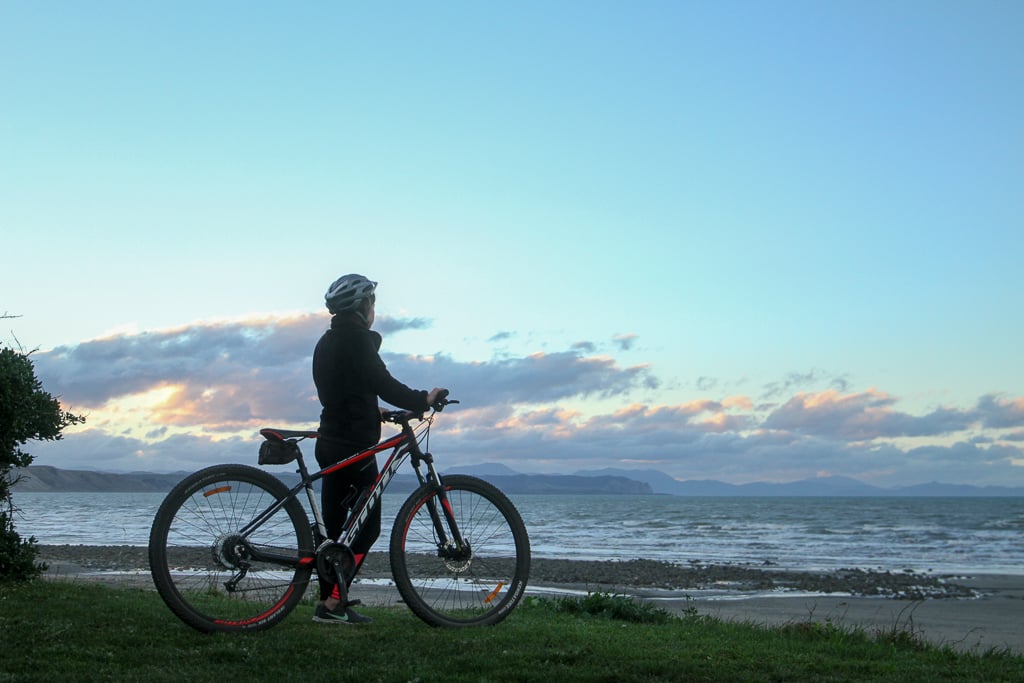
(348, 293)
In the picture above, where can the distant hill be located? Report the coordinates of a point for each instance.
(51, 479)
(510, 481)
(568, 484)
(821, 486)
(609, 481)
(42, 478)
(486, 469)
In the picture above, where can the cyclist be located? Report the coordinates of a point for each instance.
(350, 376)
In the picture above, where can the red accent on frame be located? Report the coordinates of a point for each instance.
(369, 452)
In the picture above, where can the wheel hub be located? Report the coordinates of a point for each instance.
(457, 560)
(231, 551)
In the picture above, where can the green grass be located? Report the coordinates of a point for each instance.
(83, 632)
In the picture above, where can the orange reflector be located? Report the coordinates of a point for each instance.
(494, 593)
(214, 492)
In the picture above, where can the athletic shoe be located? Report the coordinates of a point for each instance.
(342, 614)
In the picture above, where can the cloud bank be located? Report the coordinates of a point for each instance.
(184, 398)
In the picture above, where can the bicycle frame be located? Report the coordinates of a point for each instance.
(232, 548)
(403, 445)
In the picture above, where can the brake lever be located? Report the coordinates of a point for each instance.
(441, 403)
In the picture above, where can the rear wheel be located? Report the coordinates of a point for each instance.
(212, 577)
(477, 584)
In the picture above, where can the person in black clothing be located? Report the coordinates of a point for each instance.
(350, 376)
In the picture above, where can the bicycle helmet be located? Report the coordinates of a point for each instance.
(348, 292)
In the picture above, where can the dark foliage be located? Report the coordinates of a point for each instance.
(27, 412)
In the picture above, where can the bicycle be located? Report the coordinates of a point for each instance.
(232, 549)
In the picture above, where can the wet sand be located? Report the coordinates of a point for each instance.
(991, 621)
(975, 613)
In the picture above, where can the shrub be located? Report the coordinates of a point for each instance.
(611, 606)
(26, 412)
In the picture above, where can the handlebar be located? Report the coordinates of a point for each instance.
(442, 400)
(400, 416)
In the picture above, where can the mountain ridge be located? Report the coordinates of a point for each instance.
(838, 486)
(46, 479)
(605, 481)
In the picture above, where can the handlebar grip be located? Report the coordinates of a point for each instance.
(442, 400)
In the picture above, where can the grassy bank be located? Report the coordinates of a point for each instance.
(76, 631)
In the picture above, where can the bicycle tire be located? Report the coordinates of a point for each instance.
(193, 550)
(478, 590)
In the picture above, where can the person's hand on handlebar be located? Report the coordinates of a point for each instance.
(435, 394)
(437, 399)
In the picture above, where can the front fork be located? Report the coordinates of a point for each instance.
(453, 547)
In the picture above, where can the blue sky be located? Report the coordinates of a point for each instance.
(731, 240)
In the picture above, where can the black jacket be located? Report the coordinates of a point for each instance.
(349, 376)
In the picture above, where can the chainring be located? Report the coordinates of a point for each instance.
(331, 555)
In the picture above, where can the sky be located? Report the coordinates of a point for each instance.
(724, 240)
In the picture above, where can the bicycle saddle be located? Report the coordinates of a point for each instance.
(273, 434)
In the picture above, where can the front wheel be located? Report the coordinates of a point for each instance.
(475, 584)
(215, 574)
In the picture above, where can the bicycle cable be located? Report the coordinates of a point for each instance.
(424, 438)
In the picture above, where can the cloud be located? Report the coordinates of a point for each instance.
(228, 375)
(1000, 413)
(537, 378)
(93, 449)
(829, 432)
(705, 383)
(800, 380)
(180, 399)
(387, 325)
(704, 439)
(709, 440)
(208, 354)
(261, 363)
(861, 416)
(624, 342)
(501, 336)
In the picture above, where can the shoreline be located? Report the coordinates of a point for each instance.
(968, 612)
(611, 575)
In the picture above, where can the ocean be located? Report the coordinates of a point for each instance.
(940, 535)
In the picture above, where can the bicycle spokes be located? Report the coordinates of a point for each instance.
(213, 576)
(476, 580)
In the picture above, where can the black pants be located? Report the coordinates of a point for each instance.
(340, 490)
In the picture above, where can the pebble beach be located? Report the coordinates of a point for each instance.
(968, 613)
